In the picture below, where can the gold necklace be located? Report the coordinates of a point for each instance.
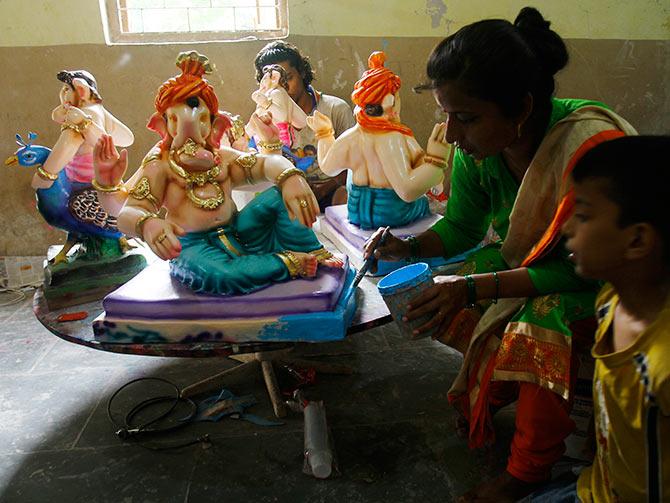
(198, 180)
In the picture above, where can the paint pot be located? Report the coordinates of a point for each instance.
(399, 287)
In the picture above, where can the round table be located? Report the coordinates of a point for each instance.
(371, 311)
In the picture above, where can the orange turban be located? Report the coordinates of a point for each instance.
(190, 83)
(375, 84)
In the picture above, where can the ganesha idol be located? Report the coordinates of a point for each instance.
(234, 276)
(389, 172)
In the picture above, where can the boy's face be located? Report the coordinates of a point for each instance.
(296, 87)
(597, 243)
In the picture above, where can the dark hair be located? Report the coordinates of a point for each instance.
(637, 175)
(278, 51)
(495, 60)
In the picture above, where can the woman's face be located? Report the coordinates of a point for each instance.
(478, 127)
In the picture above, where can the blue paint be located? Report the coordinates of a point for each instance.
(405, 277)
(315, 327)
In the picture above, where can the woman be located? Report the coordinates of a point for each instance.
(515, 311)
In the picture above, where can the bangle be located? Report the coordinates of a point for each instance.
(140, 223)
(271, 145)
(414, 248)
(472, 291)
(107, 188)
(497, 280)
(438, 162)
(324, 133)
(287, 173)
(78, 128)
(45, 175)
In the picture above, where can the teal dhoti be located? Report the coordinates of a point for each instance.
(241, 257)
(370, 208)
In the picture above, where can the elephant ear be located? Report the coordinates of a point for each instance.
(158, 125)
(220, 124)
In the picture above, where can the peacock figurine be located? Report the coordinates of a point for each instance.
(73, 207)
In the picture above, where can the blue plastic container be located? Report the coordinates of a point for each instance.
(399, 287)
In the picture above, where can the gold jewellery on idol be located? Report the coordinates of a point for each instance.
(292, 263)
(45, 175)
(324, 133)
(247, 161)
(438, 162)
(142, 190)
(287, 173)
(77, 128)
(107, 188)
(271, 146)
(139, 224)
(199, 180)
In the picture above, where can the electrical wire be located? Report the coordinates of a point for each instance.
(128, 431)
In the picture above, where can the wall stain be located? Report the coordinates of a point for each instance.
(436, 9)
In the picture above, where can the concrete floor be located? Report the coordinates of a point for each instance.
(392, 427)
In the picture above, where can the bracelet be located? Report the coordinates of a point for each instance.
(107, 188)
(140, 223)
(497, 280)
(271, 145)
(472, 291)
(247, 161)
(438, 162)
(45, 175)
(414, 248)
(288, 172)
(78, 128)
(324, 133)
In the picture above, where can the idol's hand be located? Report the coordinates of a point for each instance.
(299, 200)
(161, 236)
(319, 123)
(109, 165)
(392, 248)
(262, 126)
(438, 147)
(443, 300)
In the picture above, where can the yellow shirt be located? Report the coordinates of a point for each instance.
(631, 405)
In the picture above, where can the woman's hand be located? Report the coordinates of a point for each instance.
(391, 249)
(444, 300)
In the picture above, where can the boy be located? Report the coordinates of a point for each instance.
(620, 233)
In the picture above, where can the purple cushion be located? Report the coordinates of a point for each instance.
(153, 293)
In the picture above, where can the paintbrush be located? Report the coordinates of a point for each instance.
(368, 262)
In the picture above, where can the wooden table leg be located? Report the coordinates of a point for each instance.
(273, 389)
(218, 379)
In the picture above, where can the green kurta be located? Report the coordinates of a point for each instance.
(483, 193)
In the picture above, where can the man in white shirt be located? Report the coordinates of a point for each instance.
(328, 190)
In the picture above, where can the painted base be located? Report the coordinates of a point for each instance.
(349, 239)
(83, 281)
(300, 327)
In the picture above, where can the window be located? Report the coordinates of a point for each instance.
(175, 21)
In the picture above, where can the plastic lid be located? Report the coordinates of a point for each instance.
(405, 277)
(321, 463)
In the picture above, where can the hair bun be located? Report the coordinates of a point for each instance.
(548, 47)
(530, 18)
(376, 60)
